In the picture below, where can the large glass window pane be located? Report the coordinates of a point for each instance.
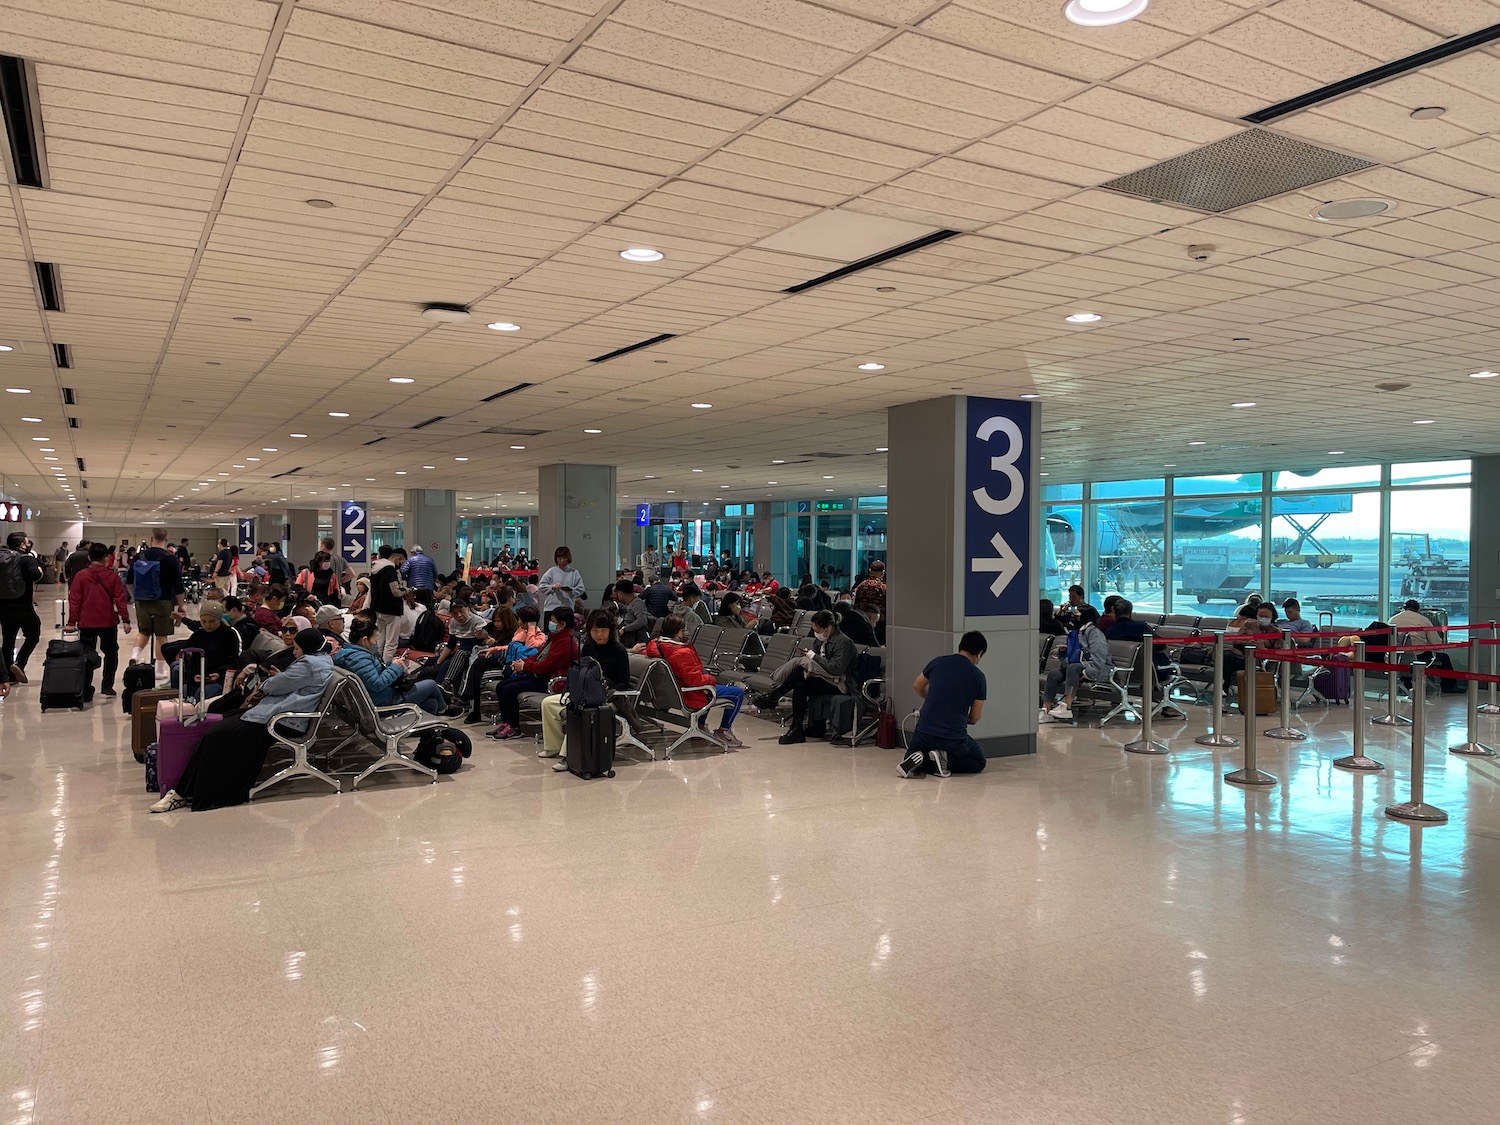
(1431, 472)
(872, 503)
(1124, 489)
(1127, 553)
(1340, 476)
(871, 541)
(1226, 485)
(1216, 549)
(835, 548)
(1062, 550)
(1325, 551)
(1430, 551)
(799, 551)
(1062, 492)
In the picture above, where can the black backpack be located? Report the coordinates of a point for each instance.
(586, 687)
(12, 576)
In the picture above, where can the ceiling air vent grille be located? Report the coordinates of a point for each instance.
(1237, 171)
(62, 355)
(288, 473)
(20, 109)
(69, 397)
(373, 441)
(646, 343)
(874, 260)
(431, 421)
(507, 391)
(48, 286)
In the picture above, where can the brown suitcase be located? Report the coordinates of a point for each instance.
(1265, 693)
(143, 718)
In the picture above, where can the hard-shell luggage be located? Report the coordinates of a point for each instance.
(137, 677)
(177, 737)
(1265, 693)
(143, 718)
(590, 747)
(1335, 683)
(66, 674)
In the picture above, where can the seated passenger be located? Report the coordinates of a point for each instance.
(809, 596)
(1127, 628)
(1294, 622)
(1085, 657)
(783, 612)
(329, 620)
(516, 636)
(237, 617)
(1106, 620)
(535, 673)
(858, 624)
(220, 645)
(1412, 626)
(687, 670)
(819, 669)
(693, 603)
(233, 752)
(658, 596)
(1068, 614)
(601, 644)
(362, 657)
(635, 622)
(730, 615)
(953, 692)
(1049, 625)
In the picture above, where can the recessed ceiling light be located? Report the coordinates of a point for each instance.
(1082, 318)
(296, 435)
(1423, 421)
(370, 479)
(239, 466)
(1339, 210)
(778, 462)
(223, 474)
(872, 367)
(429, 466)
(402, 380)
(1197, 443)
(252, 458)
(503, 326)
(1031, 396)
(770, 482)
(41, 439)
(593, 431)
(1241, 405)
(460, 458)
(337, 414)
(697, 470)
(1045, 474)
(1170, 465)
(321, 204)
(1335, 453)
(269, 449)
(703, 406)
(17, 390)
(48, 449)
(400, 472)
(882, 449)
(31, 419)
(1428, 112)
(49, 458)
(642, 254)
(650, 476)
(827, 476)
(671, 492)
(6, 348)
(1103, 13)
(1472, 375)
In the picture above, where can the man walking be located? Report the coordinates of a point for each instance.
(160, 600)
(96, 605)
(953, 692)
(19, 573)
(386, 599)
(225, 559)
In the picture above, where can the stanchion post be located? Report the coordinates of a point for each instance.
(1390, 718)
(1146, 744)
(1251, 774)
(1217, 737)
(1357, 761)
(1286, 732)
(1471, 747)
(1492, 708)
(1417, 809)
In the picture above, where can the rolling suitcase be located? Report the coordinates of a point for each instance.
(66, 674)
(1334, 683)
(143, 718)
(1265, 693)
(177, 736)
(590, 746)
(137, 677)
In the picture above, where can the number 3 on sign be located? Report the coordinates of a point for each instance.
(1004, 465)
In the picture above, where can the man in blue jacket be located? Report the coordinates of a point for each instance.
(420, 572)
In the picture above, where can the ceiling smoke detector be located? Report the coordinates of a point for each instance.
(442, 313)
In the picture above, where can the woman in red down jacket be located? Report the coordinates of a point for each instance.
(687, 670)
(96, 603)
(536, 672)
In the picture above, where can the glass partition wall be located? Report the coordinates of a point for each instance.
(1351, 543)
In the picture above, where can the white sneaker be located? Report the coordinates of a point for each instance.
(1045, 716)
(1062, 714)
(169, 802)
(561, 765)
(545, 753)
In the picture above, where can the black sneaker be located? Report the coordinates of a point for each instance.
(913, 765)
(765, 702)
(108, 691)
(939, 761)
(792, 737)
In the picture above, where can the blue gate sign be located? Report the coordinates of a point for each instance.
(804, 505)
(354, 533)
(997, 508)
(643, 515)
(247, 537)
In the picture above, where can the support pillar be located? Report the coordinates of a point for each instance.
(577, 507)
(270, 527)
(431, 521)
(1484, 543)
(302, 536)
(963, 553)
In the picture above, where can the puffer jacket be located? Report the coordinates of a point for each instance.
(687, 670)
(378, 677)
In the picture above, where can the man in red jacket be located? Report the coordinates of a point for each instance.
(535, 672)
(96, 606)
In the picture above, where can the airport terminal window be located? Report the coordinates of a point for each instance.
(1126, 554)
(1216, 553)
(835, 548)
(1340, 476)
(1126, 489)
(1431, 472)
(1430, 551)
(1062, 492)
(872, 503)
(799, 550)
(871, 540)
(1229, 483)
(1325, 551)
(1062, 549)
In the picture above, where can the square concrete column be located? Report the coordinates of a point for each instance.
(577, 508)
(270, 527)
(964, 553)
(432, 521)
(302, 536)
(1484, 542)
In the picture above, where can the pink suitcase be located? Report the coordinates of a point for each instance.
(178, 736)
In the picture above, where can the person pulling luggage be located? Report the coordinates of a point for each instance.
(96, 607)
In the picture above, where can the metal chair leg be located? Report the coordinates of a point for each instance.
(394, 757)
(300, 767)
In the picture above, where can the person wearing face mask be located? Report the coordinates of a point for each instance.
(820, 670)
(953, 692)
(535, 673)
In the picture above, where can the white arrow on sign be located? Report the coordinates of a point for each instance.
(1006, 565)
(355, 548)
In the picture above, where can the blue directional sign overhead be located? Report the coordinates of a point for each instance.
(354, 534)
(643, 515)
(247, 537)
(997, 508)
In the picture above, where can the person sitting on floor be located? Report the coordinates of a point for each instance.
(233, 752)
(953, 692)
(687, 670)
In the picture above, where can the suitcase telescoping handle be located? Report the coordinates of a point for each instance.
(190, 713)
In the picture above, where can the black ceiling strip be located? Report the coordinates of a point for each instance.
(62, 355)
(1444, 50)
(430, 421)
(69, 398)
(81, 469)
(49, 286)
(373, 441)
(875, 260)
(288, 473)
(634, 347)
(72, 423)
(507, 391)
(19, 107)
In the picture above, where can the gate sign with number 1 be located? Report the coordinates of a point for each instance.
(997, 509)
(354, 533)
(247, 537)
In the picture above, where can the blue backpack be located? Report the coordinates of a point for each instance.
(1074, 652)
(146, 579)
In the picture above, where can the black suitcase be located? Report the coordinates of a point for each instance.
(66, 675)
(590, 746)
(138, 677)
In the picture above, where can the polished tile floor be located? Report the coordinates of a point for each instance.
(787, 934)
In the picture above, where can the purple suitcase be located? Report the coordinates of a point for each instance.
(1335, 683)
(177, 736)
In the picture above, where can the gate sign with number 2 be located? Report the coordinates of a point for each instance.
(997, 509)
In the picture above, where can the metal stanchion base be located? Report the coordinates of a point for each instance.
(1489, 708)
(1216, 740)
(1287, 734)
(1141, 746)
(1250, 777)
(1420, 812)
(1391, 721)
(1359, 764)
(1473, 750)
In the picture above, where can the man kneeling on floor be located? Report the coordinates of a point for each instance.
(953, 692)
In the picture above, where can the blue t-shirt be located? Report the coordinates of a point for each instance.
(954, 682)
